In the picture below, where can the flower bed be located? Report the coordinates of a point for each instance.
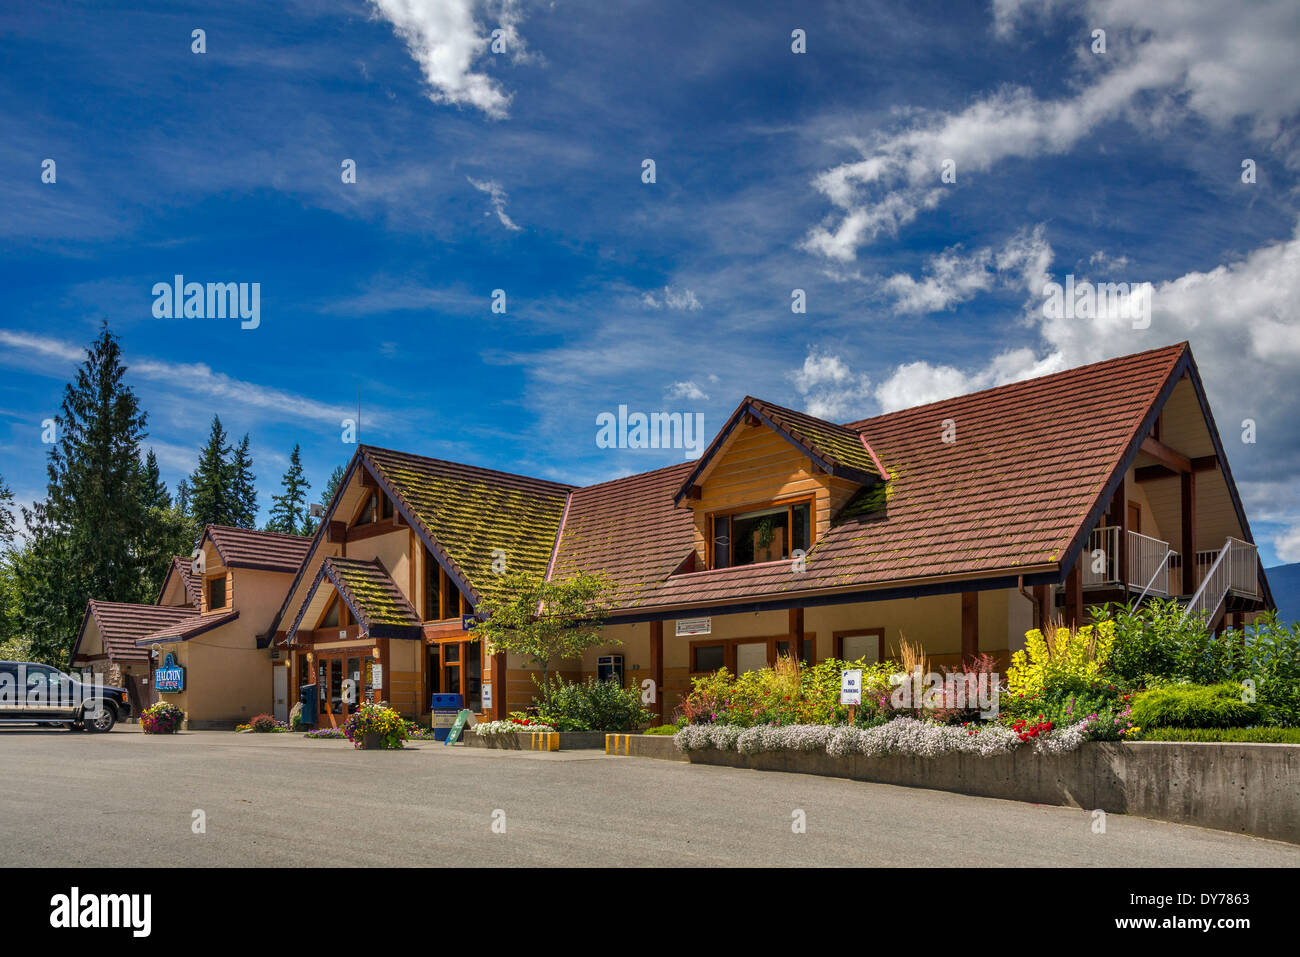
(263, 724)
(489, 729)
(325, 733)
(374, 725)
(902, 736)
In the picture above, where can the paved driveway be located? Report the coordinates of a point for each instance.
(283, 800)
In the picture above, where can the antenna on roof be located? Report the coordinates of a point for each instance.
(358, 413)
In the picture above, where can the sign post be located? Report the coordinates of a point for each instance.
(851, 691)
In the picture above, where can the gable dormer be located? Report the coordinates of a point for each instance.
(770, 482)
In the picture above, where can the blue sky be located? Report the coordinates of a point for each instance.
(522, 171)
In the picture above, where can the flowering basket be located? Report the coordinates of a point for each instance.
(162, 718)
(375, 726)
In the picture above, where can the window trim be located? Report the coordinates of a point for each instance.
(789, 504)
(879, 633)
(227, 598)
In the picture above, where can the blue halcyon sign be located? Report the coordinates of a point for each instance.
(169, 677)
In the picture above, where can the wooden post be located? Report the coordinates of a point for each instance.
(1043, 599)
(1074, 595)
(796, 634)
(1119, 517)
(499, 686)
(1188, 503)
(386, 662)
(970, 627)
(657, 667)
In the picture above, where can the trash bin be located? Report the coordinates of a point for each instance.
(445, 707)
(307, 695)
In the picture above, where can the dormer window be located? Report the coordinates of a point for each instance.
(216, 593)
(758, 535)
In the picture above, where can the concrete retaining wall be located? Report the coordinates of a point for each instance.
(644, 746)
(1248, 788)
(537, 740)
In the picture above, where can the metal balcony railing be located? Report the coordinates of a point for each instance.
(1235, 570)
(1148, 560)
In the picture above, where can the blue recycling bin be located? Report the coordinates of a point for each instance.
(307, 695)
(445, 707)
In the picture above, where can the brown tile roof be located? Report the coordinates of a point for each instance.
(120, 624)
(629, 530)
(188, 628)
(471, 511)
(1029, 463)
(251, 548)
(182, 566)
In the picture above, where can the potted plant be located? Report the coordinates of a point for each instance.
(375, 726)
(162, 718)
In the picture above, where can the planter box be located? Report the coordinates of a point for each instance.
(532, 740)
(1247, 788)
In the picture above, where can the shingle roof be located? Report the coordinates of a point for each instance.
(251, 548)
(1029, 462)
(471, 511)
(120, 624)
(188, 628)
(182, 567)
(628, 530)
(370, 593)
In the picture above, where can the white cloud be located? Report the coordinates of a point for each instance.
(951, 277)
(828, 388)
(1287, 544)
(1212, 59)
(446, 39)
(496, 199)
(686, 390)
(672, 299)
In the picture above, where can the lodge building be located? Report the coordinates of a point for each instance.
(957, 525)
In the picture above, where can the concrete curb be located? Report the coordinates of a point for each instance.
(537, 740)
(1246, 788)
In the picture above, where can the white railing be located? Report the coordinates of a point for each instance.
(1235, 570)
(1147, 557)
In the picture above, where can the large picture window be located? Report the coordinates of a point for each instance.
(761, 535)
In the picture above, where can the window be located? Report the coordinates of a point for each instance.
(369, 511)
(331, 617)
(386, 507)
(762, 535)
(216, 593)
(709, 657)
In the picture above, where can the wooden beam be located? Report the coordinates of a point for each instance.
(1149, 473)
(336, 532)
(694, 493)
(796, 633)
(970, 626)
(1166, 456)
(1187, 503)
(367, 480)
(657, 667)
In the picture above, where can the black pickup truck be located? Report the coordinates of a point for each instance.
(38, 694)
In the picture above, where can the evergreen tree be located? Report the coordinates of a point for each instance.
(211, 498)
(183, 497)
(6, 514)
(154, 489)
(309, 524)
(87, 536)
(243, 491)
(289, 509)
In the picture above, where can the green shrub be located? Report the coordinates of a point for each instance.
(1272, 661)
(1106, 706)
(1248, 735)
(1194, 706)
(785, 694)
(593, 705)
(662, 729)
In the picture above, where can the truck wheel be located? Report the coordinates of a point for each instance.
(101, 722)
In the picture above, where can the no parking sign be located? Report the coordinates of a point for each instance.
(851, 686)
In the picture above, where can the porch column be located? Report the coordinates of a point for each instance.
(796, 633)
(1074, 595)
(499, 686)
(970, 626)
(1188, 502)
(386, 661)
(657, 667)
(1043, 600)
(1119, 517)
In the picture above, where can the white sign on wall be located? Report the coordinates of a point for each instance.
(851, 686)
(487, 697)
(694, 626)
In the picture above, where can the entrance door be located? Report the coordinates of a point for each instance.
(280, 693)
(1134, 517)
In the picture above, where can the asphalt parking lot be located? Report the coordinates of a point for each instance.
(128, 799)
